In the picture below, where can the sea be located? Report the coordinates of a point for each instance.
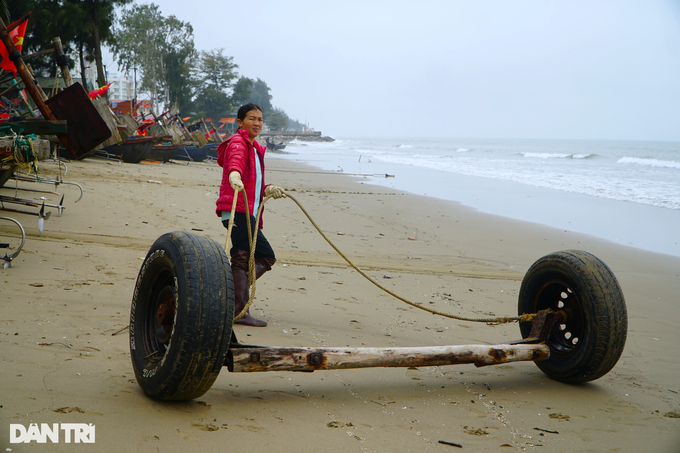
(627, 192)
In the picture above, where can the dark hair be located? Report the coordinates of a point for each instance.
(244, 109)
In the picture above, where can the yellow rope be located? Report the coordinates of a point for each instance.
(527, 317)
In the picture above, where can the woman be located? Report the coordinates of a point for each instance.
(242, 159)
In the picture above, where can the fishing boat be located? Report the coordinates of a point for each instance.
(163, 152)
(133, 150)
(192, 153)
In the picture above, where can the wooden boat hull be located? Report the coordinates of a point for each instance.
(133, 150)
(162, 153)
(192, 153)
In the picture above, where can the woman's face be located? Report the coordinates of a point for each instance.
(252, 123)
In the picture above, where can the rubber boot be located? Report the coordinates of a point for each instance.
(239, 264)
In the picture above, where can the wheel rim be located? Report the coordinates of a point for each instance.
(566, 337)
(160, 317)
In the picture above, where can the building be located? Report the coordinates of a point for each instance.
(122, 85)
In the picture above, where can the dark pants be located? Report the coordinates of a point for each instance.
(239, 242)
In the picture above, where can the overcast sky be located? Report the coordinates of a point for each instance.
(592, 69)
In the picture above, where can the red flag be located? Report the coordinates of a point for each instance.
(17, 36)
(99, 91)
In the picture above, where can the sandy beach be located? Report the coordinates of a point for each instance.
(68, 295)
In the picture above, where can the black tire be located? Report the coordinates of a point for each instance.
(181, 316)
(590, 342)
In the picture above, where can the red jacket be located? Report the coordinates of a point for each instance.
(236, 153)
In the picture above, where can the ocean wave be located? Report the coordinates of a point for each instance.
(463, 150)
(649, 162)
(404, 146)
(557, 155)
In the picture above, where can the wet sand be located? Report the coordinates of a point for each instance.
(70, 290)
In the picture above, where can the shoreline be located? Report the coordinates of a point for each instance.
(70, 290)
(645, 227)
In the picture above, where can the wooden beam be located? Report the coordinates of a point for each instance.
(61, 61)
(38, 54)
(38, 127)
(250, 359)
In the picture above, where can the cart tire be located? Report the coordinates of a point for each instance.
(579, 284)
(181, 316)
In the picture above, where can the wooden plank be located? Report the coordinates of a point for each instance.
(111, 121)
(86, 127)
(38, 127)
(250, 359)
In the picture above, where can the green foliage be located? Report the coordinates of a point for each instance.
(260, 95)
(248, 90)
(242, 89)
(215, 74)
(162, 48)
(82, 25)
(276, 120)
(295, 125)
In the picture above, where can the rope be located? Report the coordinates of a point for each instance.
(253, 243)
(527, 317)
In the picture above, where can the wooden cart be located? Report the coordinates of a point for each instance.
(182, 314)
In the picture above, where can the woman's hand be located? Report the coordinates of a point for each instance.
(274, 191)
(235, 181)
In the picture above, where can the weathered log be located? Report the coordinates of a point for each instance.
(250, 359)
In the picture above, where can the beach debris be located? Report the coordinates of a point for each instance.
(559, 417)
(58, 342)
(119, 331)
(68, 410)
(546, 431)
(340, 233)
(154, 182)
(335, 424)
(674, 414)
(386, 276)
(453, 444)
(412, 239)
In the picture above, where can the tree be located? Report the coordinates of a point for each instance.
(82, 25)
(276, 120)
(215, 75)
(242, 89)
(48, 19)
(260, 95)
(161, 48)
(248, 90)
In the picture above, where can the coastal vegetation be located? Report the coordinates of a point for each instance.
(169, 70)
